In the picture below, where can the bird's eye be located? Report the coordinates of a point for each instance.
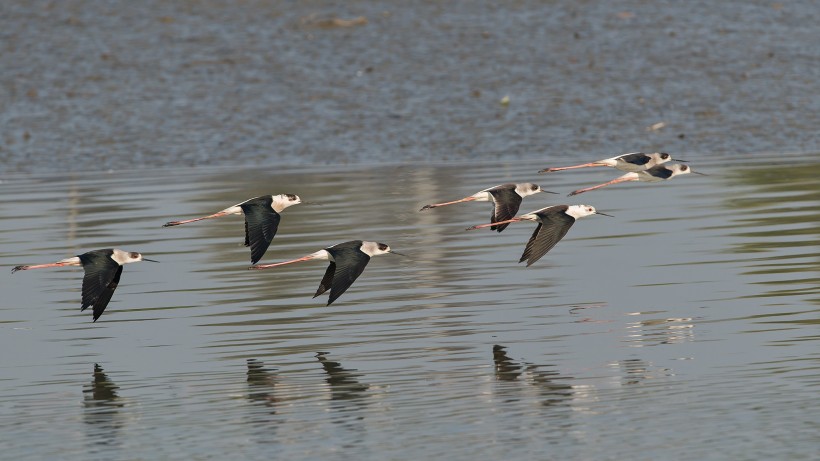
(534, 187)
(384, 247)
(664, 156)
(684, 168)
(134, 255)
(290, 197)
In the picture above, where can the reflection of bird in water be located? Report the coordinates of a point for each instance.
(103, 392)
(507, 369)
(261, 383)
(636, 371)
(344, 384)
(102, 406)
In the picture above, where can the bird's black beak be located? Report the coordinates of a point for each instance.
(604, 214)
(698, 172)
(397, 253)
(150, 260)
(548, 191)
(679, 160)
(309, 203)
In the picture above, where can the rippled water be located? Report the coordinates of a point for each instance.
(685, 326)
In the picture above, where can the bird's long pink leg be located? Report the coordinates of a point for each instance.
(624, 178)
(42, 266)
(560, 168)
(434, 205)
(480, 226)
(177, 223)
(267, 266)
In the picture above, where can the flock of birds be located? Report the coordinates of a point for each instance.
(347, 260)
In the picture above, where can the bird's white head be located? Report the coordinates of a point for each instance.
(125, 257)
(282, 201)
(661, 157)
(376, 248)
(678, 169)
(579, 211)
(527, 188)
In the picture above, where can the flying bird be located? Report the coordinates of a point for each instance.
(102, 274)
(506, 200)
(636, 161)
(261, 219)
(553, 224)
(347, 262)
(655, 174)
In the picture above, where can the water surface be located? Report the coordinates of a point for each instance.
(685, 326)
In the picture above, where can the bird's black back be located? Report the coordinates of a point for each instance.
(102, 275)
(553, 225)
(261, 223)
(637, 158)
(506, 203)
(347, 265)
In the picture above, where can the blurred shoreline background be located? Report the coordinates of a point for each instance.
(119, 85)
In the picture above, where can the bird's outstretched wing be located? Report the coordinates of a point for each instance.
(261, 223)
(552, 228)
(347, 265)
(506, 204)
(102, 275)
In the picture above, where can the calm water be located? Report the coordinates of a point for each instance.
(684, 327)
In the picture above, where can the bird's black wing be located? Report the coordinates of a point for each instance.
(101, 302)
(102, 275)
(100, 272)
(327, 280)
(637, 158)
(660, 171)
(506, 204)
(553, 227)
(348, 264)
(261, 223)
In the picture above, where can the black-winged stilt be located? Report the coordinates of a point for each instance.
(654, 174)
(347, 261)
(635, 161)
(261, 219)
(506, 200)
(102, 274)
(553, 224)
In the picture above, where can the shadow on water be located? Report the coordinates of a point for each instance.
(102, 407)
